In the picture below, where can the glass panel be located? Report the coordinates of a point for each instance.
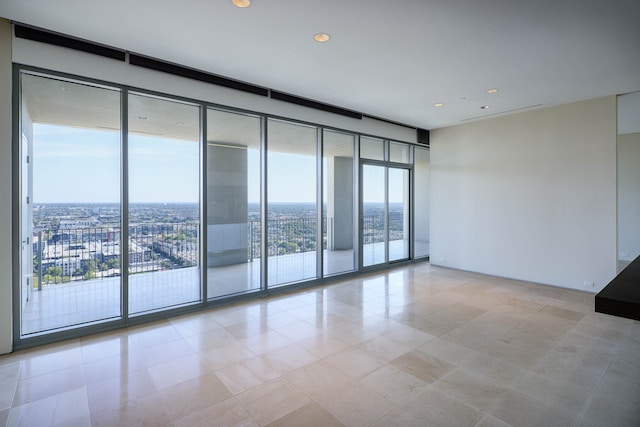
(338, 234)
(398, 152)
(371, 148)
(628, 152)
(164, 188)
(398, 214)
(70, 213)
(292, 189)
(233, 203)
(374, 231)
(421, 199)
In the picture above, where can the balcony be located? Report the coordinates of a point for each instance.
(79, 281)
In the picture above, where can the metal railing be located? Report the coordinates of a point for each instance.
(70, 255)
(297, 235)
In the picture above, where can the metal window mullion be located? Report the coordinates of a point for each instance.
(264, 256)
(124, 204)
(203, 250)
(357, 206)
(386, 214)
(16, 206)
(319, 209)
(360, 202)
(412, 213)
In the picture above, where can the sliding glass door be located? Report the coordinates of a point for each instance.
(164, 207)
(384, 220)
(338, 206)
(234, 252)
(398, 213)
(373, 221)
(292, 202)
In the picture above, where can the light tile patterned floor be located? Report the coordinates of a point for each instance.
(413, 346)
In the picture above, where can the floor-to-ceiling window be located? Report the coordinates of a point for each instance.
(292, 202)
(106, 170)
(233, 203)
(70, 203)
(339, 235)
(164, 208)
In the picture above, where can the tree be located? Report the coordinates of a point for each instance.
(90, 266)
(55, 224)
(36, 264)
(54, 271)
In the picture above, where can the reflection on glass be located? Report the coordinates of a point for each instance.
(398, 211)
(164, 218)
(291, 192)
(70, 212)
(338, 206)
(371, 148)
(373, 223)
(233, 203)
(628, 152)
(421, 200)
(398, 152)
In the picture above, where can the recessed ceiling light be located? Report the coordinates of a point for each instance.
(438, 104)
(490, 91)
(241, 3)
(485, 107)
(321, 37)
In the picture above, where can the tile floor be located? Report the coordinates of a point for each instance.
(413, 346)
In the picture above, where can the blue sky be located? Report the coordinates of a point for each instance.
(83, 166)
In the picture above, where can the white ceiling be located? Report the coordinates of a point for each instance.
(391, 59)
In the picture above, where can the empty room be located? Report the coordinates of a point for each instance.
(328, 213)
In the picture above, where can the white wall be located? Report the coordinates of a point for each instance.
(6, 340)
(530, 196)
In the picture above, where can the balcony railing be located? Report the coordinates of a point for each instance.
(70, 255)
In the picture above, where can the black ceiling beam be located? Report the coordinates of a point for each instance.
(281, 96)
(191, 73)
(38, 35)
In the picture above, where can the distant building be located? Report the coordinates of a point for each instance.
(74, 256)
(77, 223)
